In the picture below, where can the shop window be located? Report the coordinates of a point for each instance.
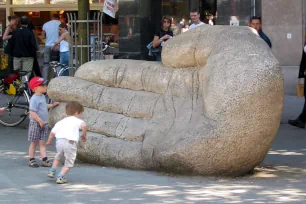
(74, 1)
(63, 1)
(179, 11)
(22, 2)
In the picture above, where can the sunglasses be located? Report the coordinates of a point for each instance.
(166, 21)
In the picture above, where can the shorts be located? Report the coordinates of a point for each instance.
(24, 64)
(37, 133)
(65, 148)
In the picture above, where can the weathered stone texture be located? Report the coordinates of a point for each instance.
(212, 108)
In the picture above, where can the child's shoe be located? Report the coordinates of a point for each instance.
(46, 163)
(51, 173)
(61, 180)
(32, 163)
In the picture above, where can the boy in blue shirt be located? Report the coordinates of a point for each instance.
(38, 126)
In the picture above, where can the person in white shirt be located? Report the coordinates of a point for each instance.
(211, 19)
(51, 34)
(67, 136)
(195, 17)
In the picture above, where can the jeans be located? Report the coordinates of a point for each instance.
(158, 57)
(64, 60)
(47, 58)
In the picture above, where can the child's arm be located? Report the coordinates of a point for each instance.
(53, 105)
(51, 136)
(35, 117)
(84, 131)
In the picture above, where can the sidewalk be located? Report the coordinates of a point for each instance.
(280, 179)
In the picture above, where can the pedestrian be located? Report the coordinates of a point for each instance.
(51, 34)
(255, 23)
(67, 135)
(195, 17)
(13, 22)
(211, 19)
(162, 35)
(185, 28)
(301, 120)
(38, 125)
(23, 47)
(63, 42)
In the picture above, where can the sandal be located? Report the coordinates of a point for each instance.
(33, 164)
(46, 163)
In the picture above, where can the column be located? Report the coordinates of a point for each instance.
(8, 10)
(194, 4)
(135, 28)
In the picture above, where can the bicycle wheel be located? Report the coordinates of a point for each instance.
(17, 107)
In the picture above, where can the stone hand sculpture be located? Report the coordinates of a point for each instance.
(213, 106)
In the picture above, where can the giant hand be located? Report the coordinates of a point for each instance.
(212, 108)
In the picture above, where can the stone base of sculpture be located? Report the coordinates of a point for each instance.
(213, 107)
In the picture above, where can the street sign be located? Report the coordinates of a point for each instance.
(110, 7)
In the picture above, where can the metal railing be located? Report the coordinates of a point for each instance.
(94, 47)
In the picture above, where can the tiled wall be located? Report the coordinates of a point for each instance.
(282, 18)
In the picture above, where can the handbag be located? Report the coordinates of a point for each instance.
(153, 51)
(300, 90)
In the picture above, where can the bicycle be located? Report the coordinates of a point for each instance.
(58, 69)
(15, 104)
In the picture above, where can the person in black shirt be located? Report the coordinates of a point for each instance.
(256, 24)
(301, 120)
(23, 47)
(162, 35)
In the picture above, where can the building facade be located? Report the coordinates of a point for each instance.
(283, 22)
(138, 20)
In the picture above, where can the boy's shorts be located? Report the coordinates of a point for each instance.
(37, 133)
(65, 148)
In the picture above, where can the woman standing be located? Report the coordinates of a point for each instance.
(13, 22)
(162, 35)
(63, 42)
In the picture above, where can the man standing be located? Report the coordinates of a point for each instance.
(23, 47)
(256, 24)
(51, 34)
(301, 120)
(195, 17)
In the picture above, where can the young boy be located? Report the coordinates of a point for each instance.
(38, 126)
(67, 135)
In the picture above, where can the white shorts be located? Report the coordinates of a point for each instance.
(68, 149)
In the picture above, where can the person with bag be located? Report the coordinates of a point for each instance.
(301, 120)
(13, 22)
(23, 47)
(161, 36)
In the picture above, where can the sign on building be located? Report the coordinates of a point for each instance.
(110, 7)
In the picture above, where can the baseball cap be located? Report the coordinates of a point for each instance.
(37, 81)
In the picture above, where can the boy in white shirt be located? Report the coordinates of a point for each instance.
(66, 132)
